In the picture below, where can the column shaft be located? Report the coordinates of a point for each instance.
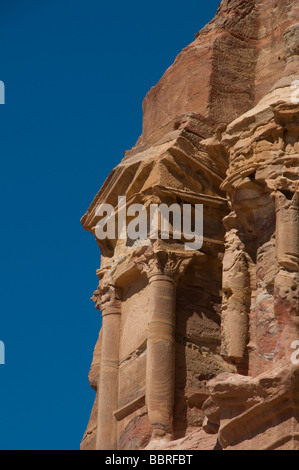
(108, 382)
(286, 304)
(287, 232)
(161, 355)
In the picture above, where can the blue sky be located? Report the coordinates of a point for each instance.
(75, 74)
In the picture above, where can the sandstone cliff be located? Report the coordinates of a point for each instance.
(195, 348)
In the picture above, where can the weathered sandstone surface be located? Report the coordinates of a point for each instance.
(195, 346)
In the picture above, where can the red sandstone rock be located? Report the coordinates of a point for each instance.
(229, 67)
(195, 350)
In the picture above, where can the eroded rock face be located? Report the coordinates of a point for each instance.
(195, 348)
(256, 412)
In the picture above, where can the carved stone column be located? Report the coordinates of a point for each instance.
(236, 298)
(163, 271)
(108, 301)
(287, 230)
(287, 279)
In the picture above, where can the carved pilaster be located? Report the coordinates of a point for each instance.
(287, 281)
(287, 229)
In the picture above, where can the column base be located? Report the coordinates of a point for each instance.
(157, 442)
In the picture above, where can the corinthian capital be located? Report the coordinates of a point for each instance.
(284, 184)
(107, 297)
(171, 264)
(286, 199)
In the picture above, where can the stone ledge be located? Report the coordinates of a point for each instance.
(128, 409)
